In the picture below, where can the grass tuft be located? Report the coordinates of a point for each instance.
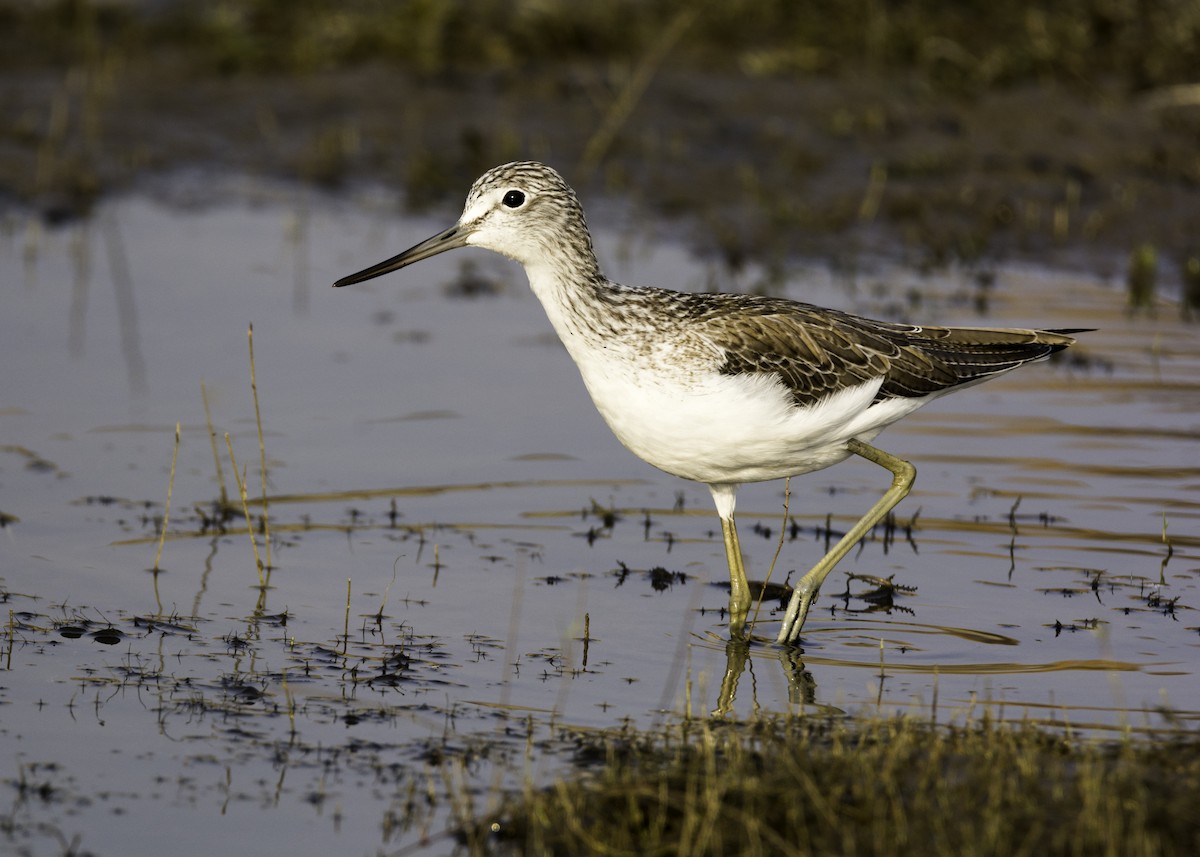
(875, 788)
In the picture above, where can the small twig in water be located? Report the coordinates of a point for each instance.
(787, 497)
(212, 439)
(241, 484)
(262, 449)
(346, 628)
(162, 536)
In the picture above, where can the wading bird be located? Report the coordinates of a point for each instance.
(724, 388)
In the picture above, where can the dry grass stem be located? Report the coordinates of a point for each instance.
(241, 484)
(262, 449)
(212, 439)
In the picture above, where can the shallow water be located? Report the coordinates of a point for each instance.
(435, 455)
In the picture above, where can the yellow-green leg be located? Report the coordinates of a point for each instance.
(806, 590)
(739, 588)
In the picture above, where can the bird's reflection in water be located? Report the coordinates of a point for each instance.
(802, 688)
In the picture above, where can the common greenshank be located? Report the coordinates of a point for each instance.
(725, 388)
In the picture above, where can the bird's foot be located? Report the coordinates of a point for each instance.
(802, 599)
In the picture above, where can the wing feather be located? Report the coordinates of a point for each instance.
(816, 352)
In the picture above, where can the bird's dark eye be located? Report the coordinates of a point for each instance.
(514, 199)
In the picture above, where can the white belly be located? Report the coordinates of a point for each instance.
(732, 428)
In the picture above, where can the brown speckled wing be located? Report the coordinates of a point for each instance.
(816, 352)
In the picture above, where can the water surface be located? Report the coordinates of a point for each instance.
(446, 508)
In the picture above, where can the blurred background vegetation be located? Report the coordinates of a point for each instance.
(959, 132)
(1142, 43)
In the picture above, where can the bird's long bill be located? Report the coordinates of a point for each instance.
(453, 237)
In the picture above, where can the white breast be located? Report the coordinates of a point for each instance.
(666, 400)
